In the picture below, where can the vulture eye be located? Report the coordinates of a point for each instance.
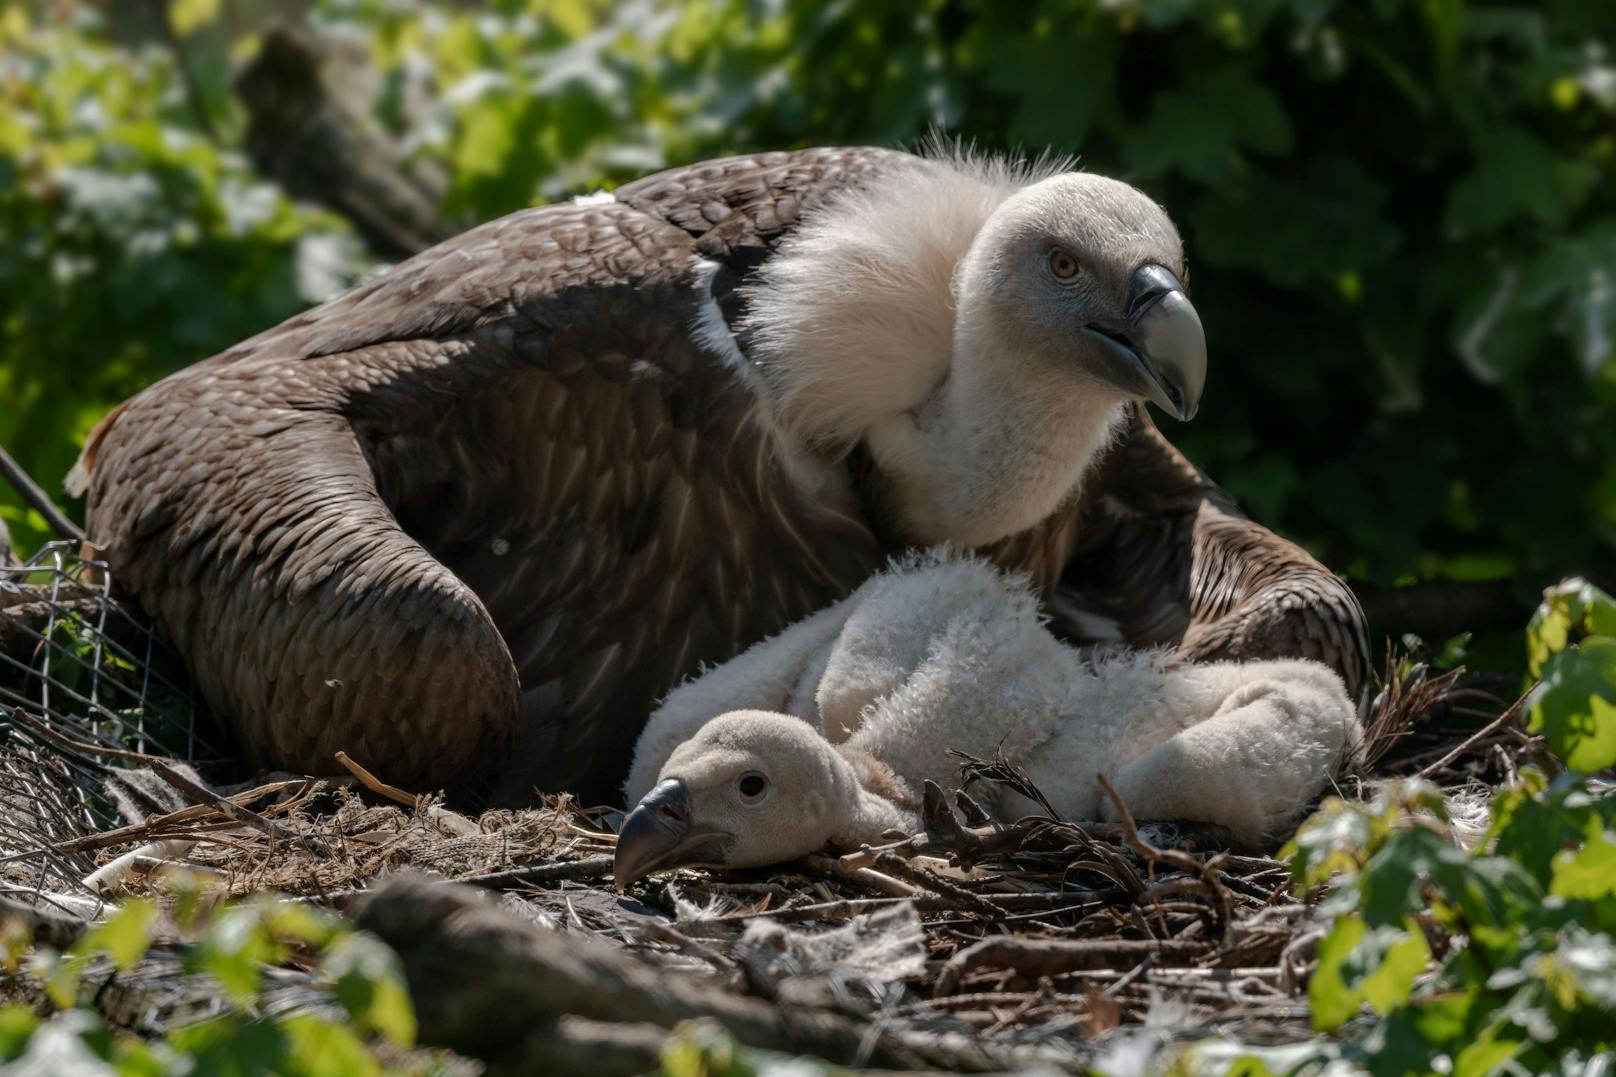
(752, 786)
(1063, 265)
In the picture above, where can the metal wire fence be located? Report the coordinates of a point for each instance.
(80, 660)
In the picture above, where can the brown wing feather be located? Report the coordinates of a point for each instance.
(1154, 552)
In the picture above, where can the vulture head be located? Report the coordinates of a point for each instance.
(979, 332)
(753, 788)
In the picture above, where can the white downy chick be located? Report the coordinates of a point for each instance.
(824, 734)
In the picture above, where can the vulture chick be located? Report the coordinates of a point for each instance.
(829, 729)
(491, 505)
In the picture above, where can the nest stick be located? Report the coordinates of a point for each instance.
(38, 500)
(375, 784)
(160, 767)
(1206, 870)
(1469, 742)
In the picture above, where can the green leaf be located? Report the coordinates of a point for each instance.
(1484, 1057)
(1330, 841)
(17, 1024)
(1588, 874)
(1570, 609)
(187, 16)
(1332, 1000)
(326, 1049)
(124, 937)
(370, 985)
(1516, 176)
(234, 948)
(1390, 985)
(1574, 706)
(234, 1045)
(1319, 224)
(1589, 960)
(1201, 128)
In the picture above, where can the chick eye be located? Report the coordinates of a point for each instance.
(1063, 265)
(752, 786)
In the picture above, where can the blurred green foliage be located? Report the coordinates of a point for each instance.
(1500, 958)
(1400, 214)
(353, 1018)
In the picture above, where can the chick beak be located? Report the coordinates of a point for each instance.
(658, 834)
(1163, 342)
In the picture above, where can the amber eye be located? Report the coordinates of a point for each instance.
(752, 786)
(1062, 265)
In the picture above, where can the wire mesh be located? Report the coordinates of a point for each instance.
(87, 663)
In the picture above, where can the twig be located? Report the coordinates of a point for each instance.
(150, 828)
(1470, 741)
(38, 500)
(193, 89)
(160, 767)
(590, 867)
(874, 880)
(895, 865)
(1048, 957)
(943, 834)
(1205, 870)
(375, 784)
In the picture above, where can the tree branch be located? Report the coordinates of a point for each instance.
(300, 134)
(38, 500)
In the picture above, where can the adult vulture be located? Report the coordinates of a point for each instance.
(482, 511)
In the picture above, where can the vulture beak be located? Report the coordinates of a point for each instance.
(1162, 345)
(657, 834)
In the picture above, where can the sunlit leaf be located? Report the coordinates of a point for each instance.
(125, 936)
(17, 1024)
(370, 985)
(1574, 706)
(1570, 609)
(1589, 873)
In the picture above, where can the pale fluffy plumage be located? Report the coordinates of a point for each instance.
(944, 653)
(906, 316)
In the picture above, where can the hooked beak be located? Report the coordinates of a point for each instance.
(657, 834)
(1163, 345)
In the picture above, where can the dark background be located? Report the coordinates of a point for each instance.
(1400, 216)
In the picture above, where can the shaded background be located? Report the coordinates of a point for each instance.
(1400, 216)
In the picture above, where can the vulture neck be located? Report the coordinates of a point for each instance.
(995, 449)
(883, 802)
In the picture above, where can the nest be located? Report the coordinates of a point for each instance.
(972, 945)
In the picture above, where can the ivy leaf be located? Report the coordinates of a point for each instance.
(320, 1048)
(1034, 70)
(370, 986)
(187, 16)
(1331, 841)
(1201, 128)
(17, 1025)
(124, 937)
(1359, 964)
(1568, 288)
(1589, 959)
(1588, 874)
(234, 949)
(1390, 985)
(1574, 706)
(1324, 223)
(1484, 1057)
(1570, 606)
(1516, 176)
